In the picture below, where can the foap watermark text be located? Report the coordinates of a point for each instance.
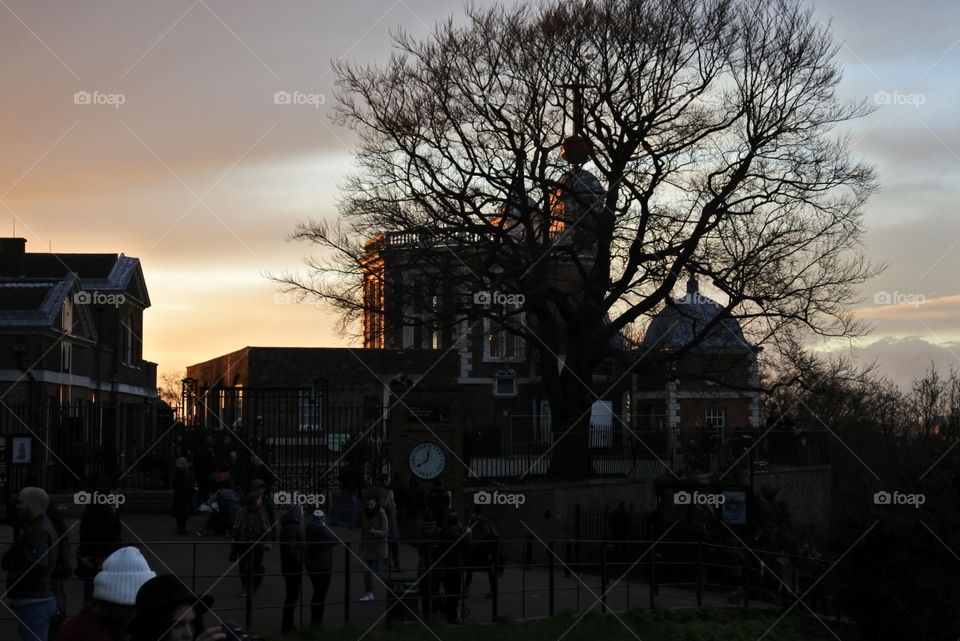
(498, 498)
(486, 299)
(898, 498)
(698, 498)
(298, 498)
(97, 498)
(84, 297)
(898, 298)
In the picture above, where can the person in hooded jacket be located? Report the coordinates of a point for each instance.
(292, 552)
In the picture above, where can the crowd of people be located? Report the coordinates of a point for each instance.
(124, 599)
(238, 504)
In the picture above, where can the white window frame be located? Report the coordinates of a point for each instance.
(505, 374)
(310, 410)
(503, 337)
(715, 417)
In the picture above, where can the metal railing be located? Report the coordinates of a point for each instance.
(543, 578)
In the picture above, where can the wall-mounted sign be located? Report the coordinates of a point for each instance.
(428, 413)
(22, 450)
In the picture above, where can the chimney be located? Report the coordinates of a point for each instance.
(13, 262)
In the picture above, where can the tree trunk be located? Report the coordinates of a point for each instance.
(570, 457)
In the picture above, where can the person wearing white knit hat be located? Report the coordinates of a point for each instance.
(115, 588)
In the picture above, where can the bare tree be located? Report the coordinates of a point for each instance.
(169, 388)
(709, 124)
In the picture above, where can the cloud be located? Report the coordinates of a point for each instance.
(904, 360)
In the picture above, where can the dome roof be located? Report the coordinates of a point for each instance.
(677, 324)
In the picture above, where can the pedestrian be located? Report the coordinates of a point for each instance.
(429, 578)
(30, 563)
(62, 570)
(453, 558)
(204, 464)
(252, 535)
(393, 531)
(292, 552)
(373, 546)
(224, 504)
(166, 610)
(257, 485)
(351, 482)
(319, 563)
(416, 498)
(483, 548)
(183, 493)
(237, 469)
(106, 616)
(100, 534)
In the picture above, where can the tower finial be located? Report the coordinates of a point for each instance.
(692, 286)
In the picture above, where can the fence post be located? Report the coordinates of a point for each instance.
(699, 574)
(346, 581)
(496, 580)
(550, 565)
(429, 576)
(568, 553)
(193, 570)
(653, 576)
(746, 581)
(249, 598)
(603, 578)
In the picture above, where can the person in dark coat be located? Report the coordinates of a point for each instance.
(183, 494)
(292, 553)
(453, 558)
(319, 563)
(204, 464)
(416, 500)
(30, 563)
(100, 535)
(62, 570)
(252, 534)
(482, 549)
(106, 617)
(228, 505)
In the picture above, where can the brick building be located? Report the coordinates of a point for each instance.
(71, 327)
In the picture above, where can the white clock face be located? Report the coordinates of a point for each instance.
(427, 460)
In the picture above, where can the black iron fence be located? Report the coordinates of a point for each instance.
(548, 577)
(304, 437)
(64, 445)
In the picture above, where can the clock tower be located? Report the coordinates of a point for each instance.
(426, 435)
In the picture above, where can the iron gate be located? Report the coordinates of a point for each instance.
(302, 437)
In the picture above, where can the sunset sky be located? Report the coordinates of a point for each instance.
(200, 175)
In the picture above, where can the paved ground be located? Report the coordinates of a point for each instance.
(202, 563)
